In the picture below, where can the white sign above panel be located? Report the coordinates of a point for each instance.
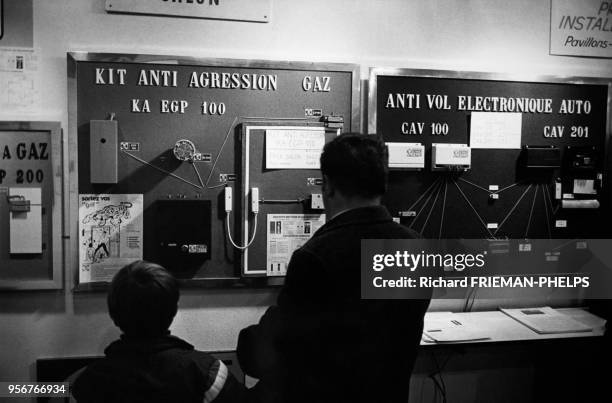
(294, 149)
(497, 130)
(581, 28)
(238, 10)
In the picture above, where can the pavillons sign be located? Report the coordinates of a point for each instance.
(581, 28)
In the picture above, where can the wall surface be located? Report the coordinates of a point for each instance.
(474, 35)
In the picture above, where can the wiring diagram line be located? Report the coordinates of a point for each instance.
(553, 212)
(473, 209)
(443, 208)
(546, 213)
(162, 170)
(423, 195)
(475, 185)
(491, 192)
(212, 168)
(508, 187)
(198, 174)
(512, 209)
(424, 204)
(550, 203)
(535, 196)
(433, 205)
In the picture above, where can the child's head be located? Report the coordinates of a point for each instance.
(143, 299)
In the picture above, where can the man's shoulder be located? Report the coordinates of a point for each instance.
(399, 231)
(386, 229)
(348, 237)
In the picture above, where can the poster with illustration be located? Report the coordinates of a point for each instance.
(110, 234)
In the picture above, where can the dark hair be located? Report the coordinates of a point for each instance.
(143, 299)
(356, 164)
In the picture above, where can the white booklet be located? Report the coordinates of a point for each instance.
(546, 320)
(446, 327)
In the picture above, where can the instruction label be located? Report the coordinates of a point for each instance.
(294, 149)
(286, 233)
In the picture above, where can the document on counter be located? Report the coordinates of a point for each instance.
(446, 327)
(546, 320)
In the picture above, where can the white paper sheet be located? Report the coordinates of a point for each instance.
(110, 234)
(584, 186)
(294, 149)
(19, 80)
(496, 130)
(546, 320)
(285, 234)
(446, 327)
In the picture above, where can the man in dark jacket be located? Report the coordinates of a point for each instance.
(322, 342)
(148, 364)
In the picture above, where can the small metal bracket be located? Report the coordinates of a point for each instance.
(333, 121)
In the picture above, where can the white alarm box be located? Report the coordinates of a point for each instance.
(450, 157)
(406, 155)
(25, 227)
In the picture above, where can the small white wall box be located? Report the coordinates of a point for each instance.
(450, 157)
(316, 201)
(25, 220)
(406, 155)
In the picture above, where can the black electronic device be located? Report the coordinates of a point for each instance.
(333, 121)
(581, 159)
(541, 157)
(183, 235)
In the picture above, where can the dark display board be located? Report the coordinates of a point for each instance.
(156, 101)
(31, 207)
(503, 194)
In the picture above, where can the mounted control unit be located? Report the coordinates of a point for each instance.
(406, 155)
(450, 157)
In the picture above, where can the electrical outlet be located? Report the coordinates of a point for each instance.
(316, 201)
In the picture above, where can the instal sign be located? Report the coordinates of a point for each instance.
(581, 28)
